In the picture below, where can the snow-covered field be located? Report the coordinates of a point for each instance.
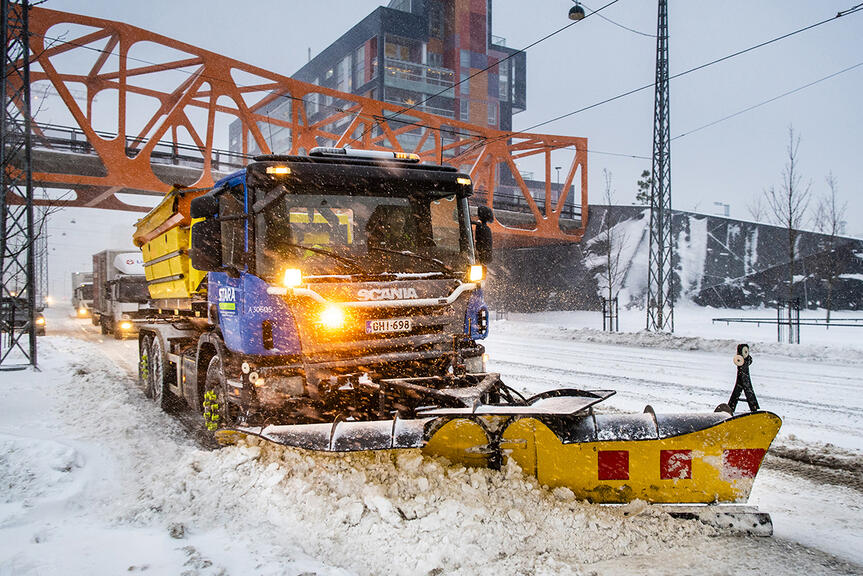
(96, 480)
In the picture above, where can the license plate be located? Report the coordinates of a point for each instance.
(388, 325)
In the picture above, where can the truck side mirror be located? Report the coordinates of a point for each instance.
(205, 206)
(206, 249)
(482, 236)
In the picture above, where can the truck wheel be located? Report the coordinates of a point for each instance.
(215, 401)
(118, 334)
(158, 376)
(103, 324)
(144, 365)
(94, 319)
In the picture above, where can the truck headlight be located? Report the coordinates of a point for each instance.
(126, 325)
(82, 311)
(476, 273)
(40, 321)
(333, 317)
(293, 278)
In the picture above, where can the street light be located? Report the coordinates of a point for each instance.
(576, 12)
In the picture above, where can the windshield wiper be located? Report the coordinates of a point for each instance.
(440, 263)
(355, 266)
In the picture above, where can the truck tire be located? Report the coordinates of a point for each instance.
(103, 324)
(118, 334)
(216, 410)
(158, 374)
(144, 365)
(94, 319)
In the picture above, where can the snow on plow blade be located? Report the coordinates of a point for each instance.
(556, 437)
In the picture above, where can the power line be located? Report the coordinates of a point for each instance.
(619, 25)
(743, 110)
(685, 72)
(489, 67)
(454, 131)
(768, 101)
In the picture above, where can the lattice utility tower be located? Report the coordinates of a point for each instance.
(660, 273)
(17, 249)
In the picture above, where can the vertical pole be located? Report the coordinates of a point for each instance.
(28, 180)
(18, 284)
(660, 275)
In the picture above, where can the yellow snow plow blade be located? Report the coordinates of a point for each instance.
(688, 458)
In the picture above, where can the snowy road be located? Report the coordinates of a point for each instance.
(819, 400)
(98, 481)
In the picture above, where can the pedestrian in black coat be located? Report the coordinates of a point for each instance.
(744, 383)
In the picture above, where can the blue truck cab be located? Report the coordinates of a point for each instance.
(343, 284)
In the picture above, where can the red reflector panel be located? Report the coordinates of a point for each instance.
(613, 464)
(742, 462)
(675, 464)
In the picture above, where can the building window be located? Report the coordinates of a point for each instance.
(397, 49)
(360, 67)
(492, 113)
(464, 86)
(343, 74)
(435, 59)
(503, 79)
(464, 59)
(464, 110)
(312, 101)
(403, 5)
(436, 21)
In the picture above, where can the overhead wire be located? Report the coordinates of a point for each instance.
(739, 112)
(684, 73)
(508, 135)
(487, 68)
(619, 25)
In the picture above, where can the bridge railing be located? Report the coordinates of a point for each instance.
(71, 139)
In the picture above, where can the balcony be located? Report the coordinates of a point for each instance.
(419, 77)
(446, 113)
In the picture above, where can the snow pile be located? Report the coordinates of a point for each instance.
(386, 512)
(398, 513)
(351, 509)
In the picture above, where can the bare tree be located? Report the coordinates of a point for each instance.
(610, 243)
(788, 203)
(757, 209)
(829, 220)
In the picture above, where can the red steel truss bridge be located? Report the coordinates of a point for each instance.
(134, 123)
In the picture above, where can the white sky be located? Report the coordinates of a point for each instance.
(731, 162)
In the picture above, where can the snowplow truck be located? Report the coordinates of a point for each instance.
(294, 288)
(334, 302)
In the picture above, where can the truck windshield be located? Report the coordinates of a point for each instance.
(133, 289)
(368, 234)
(85, 292)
